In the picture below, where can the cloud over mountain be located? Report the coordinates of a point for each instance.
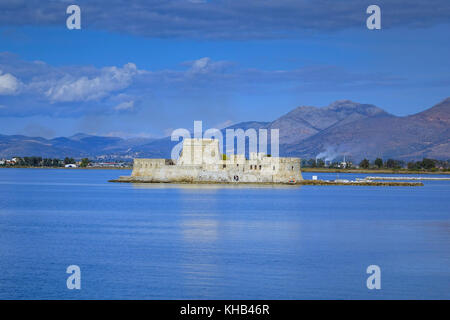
(38, 88)
(9, 84)
(108, 80)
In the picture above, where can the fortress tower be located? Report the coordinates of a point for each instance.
(200, 152)
(201, 161)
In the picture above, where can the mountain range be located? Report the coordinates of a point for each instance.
(342, 128)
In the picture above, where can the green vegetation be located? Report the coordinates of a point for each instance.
(378, 165)
(394, 164)
(425, 164)
(69, 160)
(378, 162)
(34, 162)
(37, 162)
(320, 163)
(84, 162)
(365, 164)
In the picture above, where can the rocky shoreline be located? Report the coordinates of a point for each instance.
(298, 183)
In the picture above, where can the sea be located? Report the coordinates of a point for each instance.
(170, 241)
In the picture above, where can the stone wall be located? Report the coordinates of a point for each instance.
(267, 170)
(200, 151)
(201, 161)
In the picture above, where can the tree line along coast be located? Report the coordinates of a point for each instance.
(425, 165)
(67, 162)
(379, 165)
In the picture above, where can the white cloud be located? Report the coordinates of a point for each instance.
(125, 106)
(73, 91)
(201, 65)
(9, 84)
(205, 65)
(68, 88)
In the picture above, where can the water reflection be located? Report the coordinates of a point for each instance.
(199, 227)
(206, 186)
(200, 230)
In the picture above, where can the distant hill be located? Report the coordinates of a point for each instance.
(306, 121)
(342, 128)
(78, 146)
(425, 134)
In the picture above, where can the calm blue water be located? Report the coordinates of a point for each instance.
(219, 242)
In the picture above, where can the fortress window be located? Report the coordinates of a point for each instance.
(259, 167)
(273, 168)
(224, 166)
(292, 168)
(237, 164)
(251, 167)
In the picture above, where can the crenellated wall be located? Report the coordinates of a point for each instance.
(201, 161)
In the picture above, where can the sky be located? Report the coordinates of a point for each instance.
(144, 68)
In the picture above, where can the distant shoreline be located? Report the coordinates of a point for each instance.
(314, 170)
(390, 171)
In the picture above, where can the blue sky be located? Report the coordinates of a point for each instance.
(144, 68)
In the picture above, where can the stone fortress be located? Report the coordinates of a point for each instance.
(201, 161)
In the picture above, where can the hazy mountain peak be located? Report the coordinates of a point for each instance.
(438, 113)
(444, 104)
(79, 136)
(348, 107)
(339, 106)
(355, 129)
(342, 103)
